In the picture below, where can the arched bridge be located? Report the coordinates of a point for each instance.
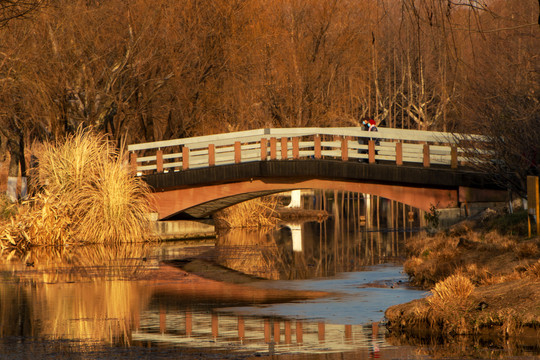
(195, 177)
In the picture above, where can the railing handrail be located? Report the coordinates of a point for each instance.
(349, 143)
(383, 133)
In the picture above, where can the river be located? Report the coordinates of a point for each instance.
(308, 289)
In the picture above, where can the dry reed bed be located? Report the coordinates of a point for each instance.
(479, 282)
(85, 195)
(259, 212)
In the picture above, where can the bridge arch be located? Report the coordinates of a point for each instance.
(202, 201)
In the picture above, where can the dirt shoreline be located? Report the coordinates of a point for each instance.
(493, 258)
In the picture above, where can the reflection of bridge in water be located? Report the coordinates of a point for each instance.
(211, 330)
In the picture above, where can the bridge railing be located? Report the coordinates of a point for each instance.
(345, 143)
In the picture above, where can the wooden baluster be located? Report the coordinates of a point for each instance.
(211, 155)
(453, 156)
(273, 148)
(317, 147)
(344, 149)
(185, 158)
(426, 155)
(371, 151)
(237, 152)
(264, 149)
(159, 161)
(284, 150)
(133, 164)
(399, 153)
(296, 147)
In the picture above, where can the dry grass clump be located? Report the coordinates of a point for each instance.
(7, 209)
(259, 212)
(485, 258)
(448, 302)
(88, 196)
(42, 220)
(451, 293)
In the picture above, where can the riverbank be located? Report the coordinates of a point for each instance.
(484, 280)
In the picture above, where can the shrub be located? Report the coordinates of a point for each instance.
(88, 196)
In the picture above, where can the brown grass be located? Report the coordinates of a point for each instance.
(485, 258)
(258, 212)
(88, 196)
(482, 282)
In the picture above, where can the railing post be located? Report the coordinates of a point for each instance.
(185, 158)
(133, 163)
(237, 152)
(241, 328)
(215, 325)
(264, 149)
(159, 161)
(371, 151)
(399, 153)
(453, 157)
(162, 321)
(322, 331)
(267, 335)
(288, 332)
(344, 149)
(277, 332)
(284, 150)
(211, 154)
(317, 146)
(295, 147)
(189, 323)
(299, 332)
(426, 155)
(273, 148)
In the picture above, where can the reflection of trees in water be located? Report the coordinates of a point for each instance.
(61, 264)
(362, 231)
(81, 293)
(327, 251)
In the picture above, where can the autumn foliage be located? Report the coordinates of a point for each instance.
(150, 70)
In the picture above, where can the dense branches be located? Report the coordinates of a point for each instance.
(148, 70)
(16, 9)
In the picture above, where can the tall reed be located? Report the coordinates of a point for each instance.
(87, 196)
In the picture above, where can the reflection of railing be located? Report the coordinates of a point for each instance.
(396, 145)
(238, 333)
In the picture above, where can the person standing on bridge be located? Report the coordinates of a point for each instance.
(368, 124)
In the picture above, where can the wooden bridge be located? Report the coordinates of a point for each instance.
(194, 177)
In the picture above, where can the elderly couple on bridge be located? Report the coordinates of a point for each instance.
(368, 124)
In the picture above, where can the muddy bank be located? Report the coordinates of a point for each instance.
(484, 281)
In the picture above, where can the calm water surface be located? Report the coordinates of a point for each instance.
(304, 290)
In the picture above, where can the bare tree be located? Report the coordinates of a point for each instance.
(17, 9)
(10, 122)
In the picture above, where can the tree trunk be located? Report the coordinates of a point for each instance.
(16, 151)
